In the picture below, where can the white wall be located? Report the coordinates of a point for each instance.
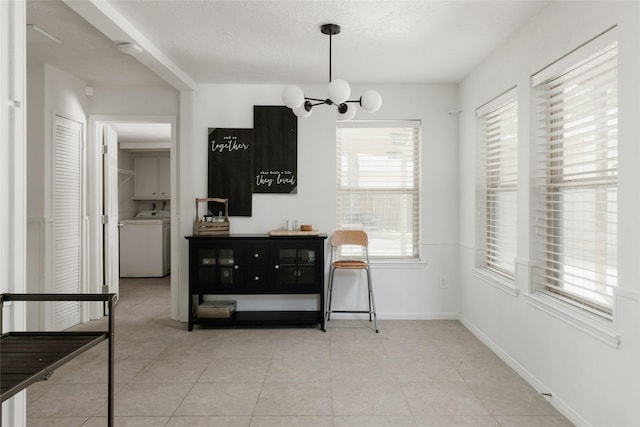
(159, 99)
(401, 292)
(592, 382)
(51, 92)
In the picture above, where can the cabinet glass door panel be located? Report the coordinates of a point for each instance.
(296, 269)
(306, 275)
(208, 257)
(287, 256)
(287, 277)
(217, 270)
(227, 276)
(226, 257)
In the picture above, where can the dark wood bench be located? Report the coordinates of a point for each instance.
(28, 357)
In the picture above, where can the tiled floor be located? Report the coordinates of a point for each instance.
(413, 373)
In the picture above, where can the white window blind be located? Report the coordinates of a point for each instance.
(378, 185)
(497, 198)
(576, 179)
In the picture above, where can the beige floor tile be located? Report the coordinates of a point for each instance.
(37, 390)
(95, 370)
(128, 421)
(294, 399)
(220, 399)
(235, 370)
(534, 421)
(210, 421)
(291, 421)
(70, 400)
(373, 421)
(299, 370)
(345, 349)
(373, 397)
(515, 398)
(362, 368)
(456, 421)
(412, 347)
(448, 398)
(247, 349)
(142, 400)
(423, 370)
(172, 371)
(57, 422)
(431, 373)
(303, 347)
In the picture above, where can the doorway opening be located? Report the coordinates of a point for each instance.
(136, 182)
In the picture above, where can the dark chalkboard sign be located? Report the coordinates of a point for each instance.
(275, 167)
(231, 168)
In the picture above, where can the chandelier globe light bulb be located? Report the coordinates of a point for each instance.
(349, 114)
(293, 96)
(339, 91)
(301, 111)
(370, 101)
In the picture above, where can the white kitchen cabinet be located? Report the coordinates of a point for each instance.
(151, 178)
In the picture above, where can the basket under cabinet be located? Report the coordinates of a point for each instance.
(256, 265)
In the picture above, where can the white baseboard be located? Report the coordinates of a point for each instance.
(538, 385)
(397, 316)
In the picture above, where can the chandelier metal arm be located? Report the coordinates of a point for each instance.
(322, 101)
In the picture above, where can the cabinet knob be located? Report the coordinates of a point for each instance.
(256, 278)
(256, 255)
(235, 267)
(277, 267)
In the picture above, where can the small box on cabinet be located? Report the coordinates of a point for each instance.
(210, 225)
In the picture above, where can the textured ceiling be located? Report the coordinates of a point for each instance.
(280, 42)
(389, 41)
(85, 52)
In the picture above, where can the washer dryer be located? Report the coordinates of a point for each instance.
(145, 245)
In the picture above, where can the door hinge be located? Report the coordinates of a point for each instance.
(104, 219)
(105, 289)
(104, 149)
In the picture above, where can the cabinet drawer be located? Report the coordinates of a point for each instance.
(257, 256)
(256, 280)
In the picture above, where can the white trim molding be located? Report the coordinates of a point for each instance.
(502, 283)
(591, 324)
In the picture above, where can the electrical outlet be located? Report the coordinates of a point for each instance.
(444, 282)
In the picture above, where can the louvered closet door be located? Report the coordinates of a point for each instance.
(68, 215)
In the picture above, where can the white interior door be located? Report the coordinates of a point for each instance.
(67, 224)
(110, 211)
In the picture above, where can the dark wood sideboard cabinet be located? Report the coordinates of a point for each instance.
(243, 264)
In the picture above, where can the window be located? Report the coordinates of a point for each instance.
(498, 185)
(378, 185)
(576, 177)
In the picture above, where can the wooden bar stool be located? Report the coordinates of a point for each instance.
(354, 238)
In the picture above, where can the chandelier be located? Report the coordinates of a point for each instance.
(338, 92)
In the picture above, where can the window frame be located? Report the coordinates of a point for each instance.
(409, 252)
(552, 187)
(498, 139)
